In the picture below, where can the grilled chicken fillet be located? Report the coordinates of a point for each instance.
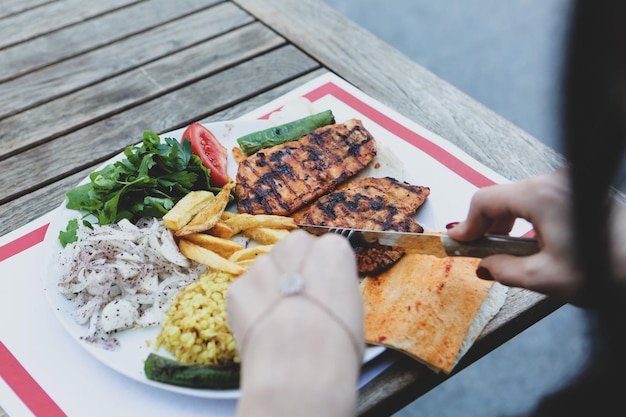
(373, 259)
(281, 179)
(368, 203)
(371, 204)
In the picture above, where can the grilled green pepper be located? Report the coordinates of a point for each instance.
(169, 371)
(290, 131)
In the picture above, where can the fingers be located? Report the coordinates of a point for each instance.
(539, 272)
(544, 201)
(331, 267)
(289, 254)
(249, 295)
(332, 279)
(492, 210)
(327, 266)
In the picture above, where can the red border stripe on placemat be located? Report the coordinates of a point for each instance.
(25, 386)
(430, 148)
(15, 375)
(22, 243)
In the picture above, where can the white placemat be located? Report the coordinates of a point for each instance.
(45, 372)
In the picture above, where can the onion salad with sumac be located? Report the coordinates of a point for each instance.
(123, 275)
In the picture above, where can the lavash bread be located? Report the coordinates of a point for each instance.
(430, 308)
(488, 309)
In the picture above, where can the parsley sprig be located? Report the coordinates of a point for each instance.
(151, 178)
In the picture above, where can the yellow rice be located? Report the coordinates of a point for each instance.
(195, 329)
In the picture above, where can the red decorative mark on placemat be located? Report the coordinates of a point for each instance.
(22, 243)
(435, 151)
(25, 386)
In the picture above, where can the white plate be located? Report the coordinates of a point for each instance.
(134, 344)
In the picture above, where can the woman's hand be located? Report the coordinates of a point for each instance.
(298, 322)
(545, 202)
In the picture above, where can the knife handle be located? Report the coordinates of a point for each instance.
(490, 245)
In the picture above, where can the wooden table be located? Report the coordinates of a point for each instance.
(79, 81)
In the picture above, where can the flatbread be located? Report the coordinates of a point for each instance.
(425, 306)
(488, 309)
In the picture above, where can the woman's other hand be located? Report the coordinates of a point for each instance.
(545, 202)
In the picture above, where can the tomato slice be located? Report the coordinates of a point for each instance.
(211, 152)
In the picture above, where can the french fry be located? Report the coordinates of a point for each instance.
(209, 215)
(250, 253)
(246, 263)
(238, 154)
(227, 215)
(223, 247)
(265, 235)
(187, 207)
(245, 221)
(221, 229)
(209, 258)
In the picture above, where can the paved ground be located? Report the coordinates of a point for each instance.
(505, 54)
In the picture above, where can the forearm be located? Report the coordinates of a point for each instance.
(295, 372)
(285, 392)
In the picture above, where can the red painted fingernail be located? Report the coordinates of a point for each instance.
(483, 273)
(451, 225)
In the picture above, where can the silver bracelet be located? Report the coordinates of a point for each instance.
(292, 285)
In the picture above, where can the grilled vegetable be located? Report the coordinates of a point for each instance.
(291, 131)
(169, 371)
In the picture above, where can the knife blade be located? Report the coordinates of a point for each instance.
(440, 245)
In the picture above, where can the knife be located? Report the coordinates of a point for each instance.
(437, 244)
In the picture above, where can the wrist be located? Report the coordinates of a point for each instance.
(307, 366)
(269, 397)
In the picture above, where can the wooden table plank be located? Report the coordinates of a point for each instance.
(49, 197)
(36, 22)
(102, 139)
(72, 74)
(11, 7)
(95, 33)
(131, 88)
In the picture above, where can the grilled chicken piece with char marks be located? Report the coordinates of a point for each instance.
(371, 204)
(368, 203)
(373, 259)
(281, 179)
